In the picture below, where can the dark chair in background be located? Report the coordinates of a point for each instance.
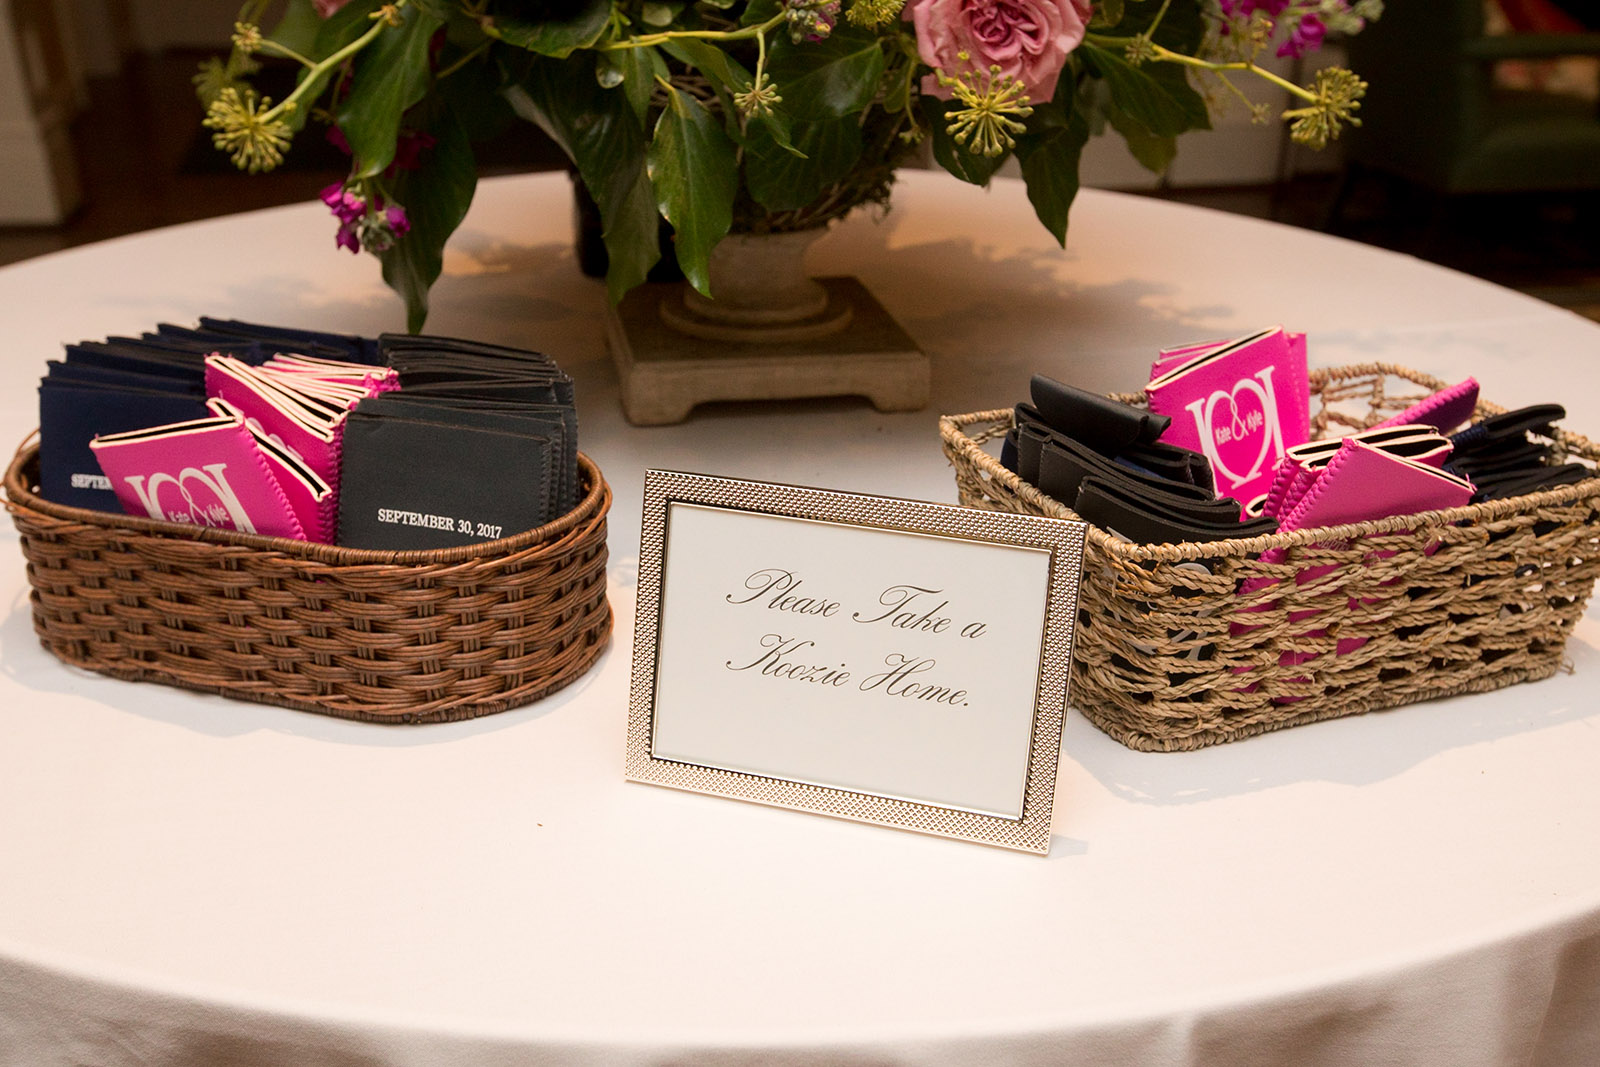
(1434, 116)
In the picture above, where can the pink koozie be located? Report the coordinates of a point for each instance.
(1444, 410)
(1241, 405)
(306, 494)
(314, 433)
(1362, 482)
(207, 472)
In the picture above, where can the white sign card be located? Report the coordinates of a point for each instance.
(890, 661)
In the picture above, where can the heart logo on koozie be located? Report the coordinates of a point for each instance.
(1239, 428)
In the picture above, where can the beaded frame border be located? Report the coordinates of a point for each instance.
(1063, 539)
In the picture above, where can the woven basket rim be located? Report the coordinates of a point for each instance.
(952, 429)
(596, 501)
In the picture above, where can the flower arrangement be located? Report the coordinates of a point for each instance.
(750, 115)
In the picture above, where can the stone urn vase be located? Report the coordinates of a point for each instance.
(769, 331)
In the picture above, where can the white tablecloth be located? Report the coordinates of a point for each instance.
(187, 880)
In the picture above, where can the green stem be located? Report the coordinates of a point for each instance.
(761, 58)
(650, 39)
(1150, 30)
(1166, 55)
(313, 78)
(463, 61)
(1236, 91)
(274, 48)
(252, 11)
(374, 185)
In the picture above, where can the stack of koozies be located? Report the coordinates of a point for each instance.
(1223, 450)
(265, 461)
(1221, 415)
(479, 443)
(1108, 462)
(1393, 468)
(1413, 463)
(158, 378)
(300, 434)
(1502, 460)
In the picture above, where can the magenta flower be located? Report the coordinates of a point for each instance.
(1029, 40)
(347, 238)
(345, 205)
(350, 210)
(811, 20)
(399, 223)
(1306, 37)
(408, 150)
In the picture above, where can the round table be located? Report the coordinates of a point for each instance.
(188, 880)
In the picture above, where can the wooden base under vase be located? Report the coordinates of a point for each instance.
(666, 371)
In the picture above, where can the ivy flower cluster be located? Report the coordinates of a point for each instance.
(249, 128)
(993, 104)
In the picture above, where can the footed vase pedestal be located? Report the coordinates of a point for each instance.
(772, 333)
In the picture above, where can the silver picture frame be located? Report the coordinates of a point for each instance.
(1021, 570)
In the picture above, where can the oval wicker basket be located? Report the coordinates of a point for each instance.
(1183, 646)
(419, 636)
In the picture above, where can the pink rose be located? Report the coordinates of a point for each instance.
(1028, 40)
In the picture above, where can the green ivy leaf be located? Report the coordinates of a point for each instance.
(343, 26)
(1157, 95)
(695, 173)
(638, 67)
(829, 78)
(1050, 167)
(724, 71)
(658, 14)
(897, 96)
(473, 92)
(1108, 13)
(332, 34)
(1173, 81)
(1154, 153)
(298, 28)
(597, 129)
(760, 11)
(440, 9)
(775, 124)
(1182, 26)
(391, 75)
(965, 165)
(557, 38)
(436, 199)
(727, 76)
(607, 72)
(788, 177)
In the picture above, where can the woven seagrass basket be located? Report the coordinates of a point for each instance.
(1172, 653)
(420, 636)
